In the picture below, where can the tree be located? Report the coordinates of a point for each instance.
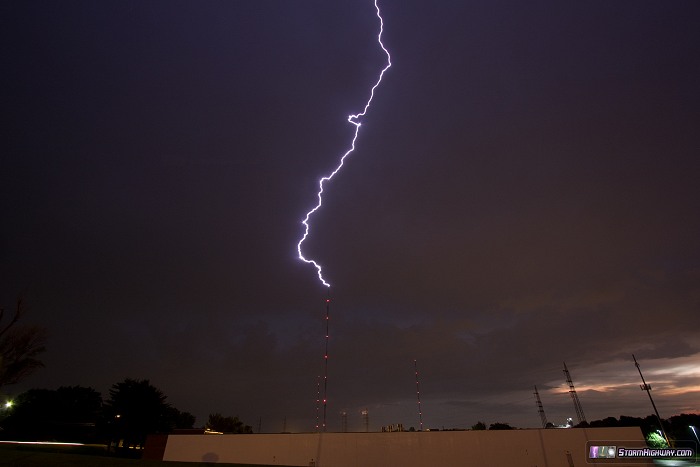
(179, 420)
(655, 440)
(19, 347)
(606, 422)
(66, 414)
(218, 422)
(678, 426)
(500, 426)
(479, 426)
(136, 409)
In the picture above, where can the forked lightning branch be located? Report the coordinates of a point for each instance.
(356, 120)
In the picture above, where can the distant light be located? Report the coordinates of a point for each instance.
(50, 443)
(9, 404)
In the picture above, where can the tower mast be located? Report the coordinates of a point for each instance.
(540, 409)
(325, 366)
(318, 402)
(572, 391)
(420, 411)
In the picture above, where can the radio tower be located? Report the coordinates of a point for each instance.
(572, 391)
(540, 409)
(420, 412)
(647, 387)
(325, 367)
(318, 401)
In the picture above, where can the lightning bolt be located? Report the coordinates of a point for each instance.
(356, 120)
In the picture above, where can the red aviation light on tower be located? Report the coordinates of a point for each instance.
(356, 121)
(420, 410)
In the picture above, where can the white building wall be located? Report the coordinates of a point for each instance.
(506, 448)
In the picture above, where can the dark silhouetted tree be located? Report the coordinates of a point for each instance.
(678, 427)
(218, 422)
(134, 410)
(606, 422)
(479, 426)
(648, 424)
(179, 420)
(500, 426)
(66, 414)
(19, 346)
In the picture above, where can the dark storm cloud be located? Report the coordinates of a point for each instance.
(524, 192)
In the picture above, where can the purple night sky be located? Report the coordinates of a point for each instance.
(525, 191)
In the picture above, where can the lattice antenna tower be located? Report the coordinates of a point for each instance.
(365, 419)
(540, 408)
(420, 410)
(572, 391)
(647, 387)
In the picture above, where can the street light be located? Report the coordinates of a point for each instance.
(694, 432)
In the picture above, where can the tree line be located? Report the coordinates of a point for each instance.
(134, 409)
(678, 428)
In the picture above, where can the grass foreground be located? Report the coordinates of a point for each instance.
(18, 455)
